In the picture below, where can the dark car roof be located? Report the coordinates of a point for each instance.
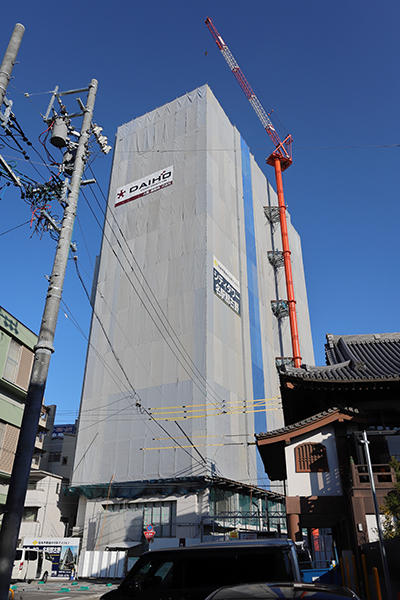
(261, 591)
(265, 542)
(234, 544)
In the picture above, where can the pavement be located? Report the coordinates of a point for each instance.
(83, 588)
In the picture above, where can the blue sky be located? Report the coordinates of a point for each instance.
(328, 70)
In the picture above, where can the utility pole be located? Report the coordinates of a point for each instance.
(9, 59)
(377, 516)
(43, 351)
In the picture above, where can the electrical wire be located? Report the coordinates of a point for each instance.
(259, 148)
(161, 324)
(180, 446)
(193, 408)
(263, 409)
(53, 162)
(151, 297)
(138, 400)
(107, 417)
(156, 306)
(14, 228)
(84, 241)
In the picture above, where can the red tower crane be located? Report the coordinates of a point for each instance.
(280, 159)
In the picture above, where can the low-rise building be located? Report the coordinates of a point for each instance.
(16, 359)
(58, 459)
(320, 452)
(42, 516)
(181, 511)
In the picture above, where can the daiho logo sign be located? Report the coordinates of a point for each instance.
(146, 185)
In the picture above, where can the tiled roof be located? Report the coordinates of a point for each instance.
(354, 357)
(314, 421)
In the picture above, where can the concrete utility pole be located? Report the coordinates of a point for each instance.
(43, 351)
(9, 59)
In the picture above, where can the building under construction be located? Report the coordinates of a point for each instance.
(190, 319)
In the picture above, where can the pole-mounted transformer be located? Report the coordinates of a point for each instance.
(59, 132)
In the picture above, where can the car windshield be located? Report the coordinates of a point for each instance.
(153, 573)
(227, 568)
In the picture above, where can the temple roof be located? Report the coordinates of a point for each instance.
(310, 424)
(354, 357)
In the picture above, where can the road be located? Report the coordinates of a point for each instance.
(52, 590)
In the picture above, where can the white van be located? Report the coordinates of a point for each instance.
(31, 564)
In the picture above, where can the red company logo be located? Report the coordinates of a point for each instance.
(142, 187)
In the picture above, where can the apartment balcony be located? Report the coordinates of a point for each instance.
(36, 496)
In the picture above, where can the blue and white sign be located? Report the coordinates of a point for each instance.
(63, 552)
(60, 430)
(226, 286)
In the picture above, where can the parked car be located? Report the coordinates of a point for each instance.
(31, 564)
(267, 591)
(195, 571)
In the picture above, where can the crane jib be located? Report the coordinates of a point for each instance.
(280, 159)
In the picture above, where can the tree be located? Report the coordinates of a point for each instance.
(391, 506)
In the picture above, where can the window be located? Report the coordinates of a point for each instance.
(222, 501)
(18, 365)
(12, 361)
(115, 507)
(8, 444)
(2, 432)
(162, 515)
(30, 515)
(311, 458)
(54, 456)
(65, 460)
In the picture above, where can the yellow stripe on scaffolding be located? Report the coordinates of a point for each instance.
(202, 416)
(195, 406)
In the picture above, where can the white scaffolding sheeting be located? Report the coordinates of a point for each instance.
(180, 341)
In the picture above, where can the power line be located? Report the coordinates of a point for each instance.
(163, 320)
(339, 147)
(253, 148)
(108, 417)
(14, 228)
(138, 402)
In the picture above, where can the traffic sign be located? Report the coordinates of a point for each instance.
(149, 534)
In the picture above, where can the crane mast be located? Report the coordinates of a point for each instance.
(280, 159)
